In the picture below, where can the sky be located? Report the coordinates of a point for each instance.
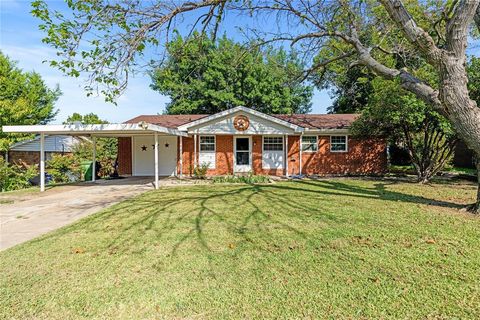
(20, 39)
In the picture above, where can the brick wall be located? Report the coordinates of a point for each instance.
(364, 156)
(124, 156)
(224, 155)
(293, 157)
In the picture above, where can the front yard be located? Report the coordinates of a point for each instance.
(339, 248)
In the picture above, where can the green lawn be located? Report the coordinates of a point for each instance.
(334, 249)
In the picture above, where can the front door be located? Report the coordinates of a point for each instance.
(243, 154)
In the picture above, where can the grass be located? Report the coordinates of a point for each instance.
(408, 169)
(461, 170)
(342, 248)
(249, 179)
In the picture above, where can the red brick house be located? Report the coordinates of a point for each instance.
(243, 140)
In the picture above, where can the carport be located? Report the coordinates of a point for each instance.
(97, 130)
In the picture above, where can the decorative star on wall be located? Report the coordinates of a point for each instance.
(144, 148)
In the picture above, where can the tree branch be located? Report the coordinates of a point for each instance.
(456, 33)
(477, 17)
(415, 34)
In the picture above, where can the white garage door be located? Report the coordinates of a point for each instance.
(143, 155)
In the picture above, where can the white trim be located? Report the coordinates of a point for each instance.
(286, 155)
(250, 148)
(94, 163)
(181, 156)
(155, 150)
(316, 143)
(194, 151)
(42, 162)
(262, 115)
(85, 129)
(214, 152)
(300, 157)
(132, 148)
(346, 143)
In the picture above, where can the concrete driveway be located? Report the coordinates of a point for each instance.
(34, 214)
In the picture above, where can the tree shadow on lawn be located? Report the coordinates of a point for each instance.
(380, 192)
(257, 215)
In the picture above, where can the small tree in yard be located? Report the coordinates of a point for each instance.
(403, 119)
(106, 147)
(106, 40)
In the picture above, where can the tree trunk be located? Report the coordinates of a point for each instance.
(462, 111)
(476, 205)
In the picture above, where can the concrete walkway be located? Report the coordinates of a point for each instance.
(34, 214)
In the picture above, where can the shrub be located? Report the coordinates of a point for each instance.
(14, 177)
(250, 179)
(107, 167)
(63, 168)
(200, 172)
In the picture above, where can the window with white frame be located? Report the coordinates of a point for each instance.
(273, 155)
(207, 143)
(273, 143)
(338, 143)
(207, 151)
(309, 144)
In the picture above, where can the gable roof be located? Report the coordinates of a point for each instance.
(245, 110)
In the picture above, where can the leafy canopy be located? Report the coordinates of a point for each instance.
(25, 99)
(89, 118)
(106, 147)
(205, 76)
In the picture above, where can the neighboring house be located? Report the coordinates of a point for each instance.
(242, 140)
(28, 151)
(463, 157)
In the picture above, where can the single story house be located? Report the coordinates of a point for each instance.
(28, 151)
(241, 140)
(238, 140)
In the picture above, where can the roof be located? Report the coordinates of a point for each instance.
(167, 120)
(310, 121)
(320, 121)
(245, 110)
(109, 129)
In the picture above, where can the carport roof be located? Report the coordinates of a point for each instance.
(111, 129)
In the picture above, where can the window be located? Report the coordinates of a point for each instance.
(273, 156)
(338, 143)
(309, 143)
(273, 143)
(207, 151)
(207, 143)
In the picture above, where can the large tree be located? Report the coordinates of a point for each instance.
(206, 76)
(105, 39)
(25, 99)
